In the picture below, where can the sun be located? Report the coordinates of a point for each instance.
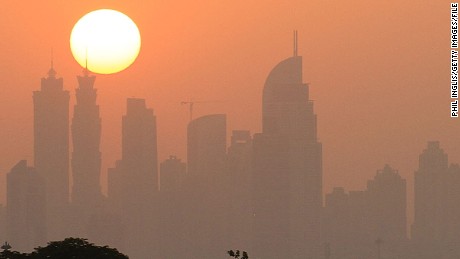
(105, 41)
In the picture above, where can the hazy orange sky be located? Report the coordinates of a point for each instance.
(379, 74)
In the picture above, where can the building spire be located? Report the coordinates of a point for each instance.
(295, 43)
(52, 59)
(85, 71)
(52, 72)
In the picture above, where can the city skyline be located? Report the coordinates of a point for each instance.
(361, 79)
(379, 95)
(283, 164)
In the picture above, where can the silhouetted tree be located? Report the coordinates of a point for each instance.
(236, 254)
(76, 248)
(7, 254)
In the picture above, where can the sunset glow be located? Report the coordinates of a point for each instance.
(106, 41)
(242, 129)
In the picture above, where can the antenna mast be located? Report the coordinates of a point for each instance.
(51, 72)
(52, 58)
(295, 43)
(86, 62)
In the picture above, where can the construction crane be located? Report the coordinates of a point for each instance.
(191, 103)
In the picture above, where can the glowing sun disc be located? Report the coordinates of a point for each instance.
(107, 40)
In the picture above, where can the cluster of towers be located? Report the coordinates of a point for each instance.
(262, 193)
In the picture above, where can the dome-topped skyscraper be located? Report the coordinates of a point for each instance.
(287, 167)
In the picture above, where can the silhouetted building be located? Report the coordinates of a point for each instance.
(437, 217)
(51, 148)
(86, 139)
(204, 201)
(133, 183)
(387, 204)
(172, 174)
(172, 215)
(206, 146)
(107, 229)
(338, 231)
(139, 151)
(86, 156)
(238, 186)
(287, 171)
(386, 208)
(352, 222)
(433, 165)
(115, 186)
(26, 209)
(3, 223)
(450, 216)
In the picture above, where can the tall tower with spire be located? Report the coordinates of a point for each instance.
(287, 170)
(86, 138)
(51, 147)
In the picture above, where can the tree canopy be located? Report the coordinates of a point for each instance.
(237, 254)
(71, 248)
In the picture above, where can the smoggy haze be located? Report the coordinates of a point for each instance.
(378, 72)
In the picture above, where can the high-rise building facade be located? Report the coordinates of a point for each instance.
(139, 154)
(361, 224)
(171, 227)
(26, 211)
(437, 217)
(206, 145)
(238, 186)
(287, 171)
(386, 206)
(172, 174)
(386, 217)
(204, 207)
(86, 139)
(51, 148)
(135, 176)
(133, 182)
(433, 164)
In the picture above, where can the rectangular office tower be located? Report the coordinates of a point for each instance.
(51, 147)
(436, 227)
(139, 150)
(287, 170)
(26, 224)
(205, 207)
(133, 183)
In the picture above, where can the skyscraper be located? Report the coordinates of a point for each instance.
(437, 217)
(86, 138)
(204, 204)
(451, 211)
(289, 155)
(386, 212)
(354, 221)
(337, 227)
(172, 172)
(134, 179)
(206, 146)
(51, 148)
(237, 186)
(133, 183)
(386, 195)
(26, 211)
(171, 227)
(3, 222)
(433, 166)
(139, 151)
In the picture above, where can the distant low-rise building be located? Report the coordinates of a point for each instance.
(26, 208)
